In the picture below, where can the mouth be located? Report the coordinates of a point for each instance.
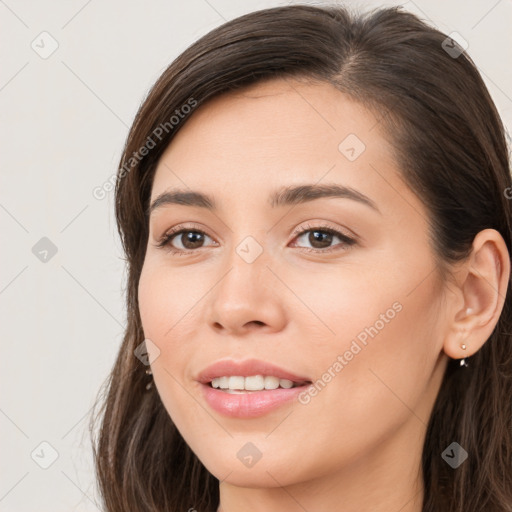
(249, 388)
(253, 396)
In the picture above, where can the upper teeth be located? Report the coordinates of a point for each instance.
(251, 383)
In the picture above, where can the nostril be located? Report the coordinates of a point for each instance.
(256, 322)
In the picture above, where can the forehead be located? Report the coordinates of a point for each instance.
(274, 133)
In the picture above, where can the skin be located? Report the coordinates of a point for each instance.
(356, 446)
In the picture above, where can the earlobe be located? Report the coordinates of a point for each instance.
(482, 288)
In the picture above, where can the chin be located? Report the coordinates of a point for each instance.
(266, 472)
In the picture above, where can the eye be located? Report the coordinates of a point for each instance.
(189, 239)
(321, 237)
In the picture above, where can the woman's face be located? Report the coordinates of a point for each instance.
(357, 312)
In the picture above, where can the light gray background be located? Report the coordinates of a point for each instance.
(64, 122)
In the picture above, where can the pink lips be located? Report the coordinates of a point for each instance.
(250, 404)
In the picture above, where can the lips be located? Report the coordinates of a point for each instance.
(248, 404)
(246, 368)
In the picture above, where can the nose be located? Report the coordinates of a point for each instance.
(248, 296)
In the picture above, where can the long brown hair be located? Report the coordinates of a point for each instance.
(450, 145)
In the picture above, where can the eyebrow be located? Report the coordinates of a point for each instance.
(290, 195)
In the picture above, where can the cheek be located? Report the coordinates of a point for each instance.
(170, 319)
(377, 331)
(166, 300)
(159, 312)
(340, 304)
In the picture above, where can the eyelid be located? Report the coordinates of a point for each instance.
(322, 225)
(183, 226)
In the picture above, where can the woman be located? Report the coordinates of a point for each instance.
(314, 211)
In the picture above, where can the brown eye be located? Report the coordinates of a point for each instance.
(183, 240)
(322, 238)
(190, 239)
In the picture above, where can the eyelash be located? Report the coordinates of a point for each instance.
(165, 241)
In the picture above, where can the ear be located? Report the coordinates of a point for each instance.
(482, 284)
